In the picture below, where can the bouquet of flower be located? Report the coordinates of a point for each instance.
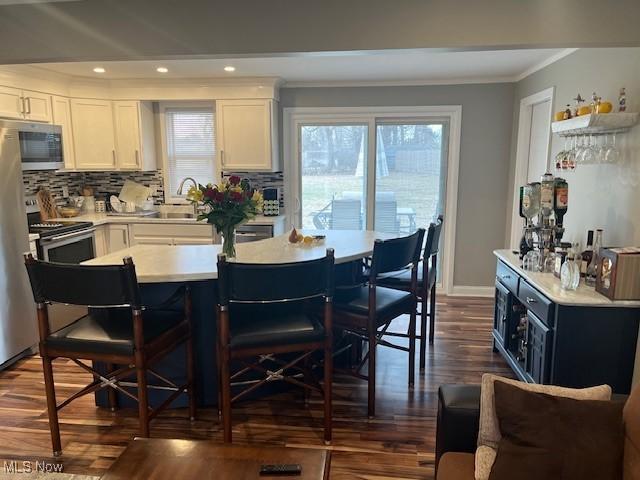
(227, 205)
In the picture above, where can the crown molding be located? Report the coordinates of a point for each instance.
(545, 63)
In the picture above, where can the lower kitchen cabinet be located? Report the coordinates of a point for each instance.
(172, 234)
(584, 340)
(101, 245)
(117, 237)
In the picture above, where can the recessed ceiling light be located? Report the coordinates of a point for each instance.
(162, 69)
(99, 70)
(229, 68)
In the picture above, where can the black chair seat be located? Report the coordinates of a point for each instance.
(356, 300)
(110, 331)
(402, 279)
(254, 327)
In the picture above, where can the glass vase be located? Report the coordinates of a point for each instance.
(229, 242)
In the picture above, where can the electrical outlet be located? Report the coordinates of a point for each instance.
(65, 191)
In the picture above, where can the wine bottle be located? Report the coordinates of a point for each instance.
(587, 254)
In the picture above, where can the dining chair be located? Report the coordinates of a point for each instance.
(265, 311)
(365, 312)
(117, 330)
(426, 291)
(346, 214)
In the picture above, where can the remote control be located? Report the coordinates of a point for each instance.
(281, 469)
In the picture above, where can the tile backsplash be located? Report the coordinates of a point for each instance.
(111, 182)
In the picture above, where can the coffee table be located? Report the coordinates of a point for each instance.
(159, 459)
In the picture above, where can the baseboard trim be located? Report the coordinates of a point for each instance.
(471, 291)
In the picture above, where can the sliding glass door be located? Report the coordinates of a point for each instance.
(411, 172)
(333, 167)
(384, 174)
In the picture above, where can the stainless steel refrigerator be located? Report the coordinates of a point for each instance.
(18, 330)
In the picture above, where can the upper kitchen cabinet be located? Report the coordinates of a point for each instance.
(61, 108)
(93, 134)
(134, 135)
(247, 135)
(25, 105)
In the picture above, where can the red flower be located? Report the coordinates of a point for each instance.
(234, 180)
(219, 196)
(210, 193)
(236, 196)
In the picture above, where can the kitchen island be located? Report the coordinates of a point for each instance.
(161, 269)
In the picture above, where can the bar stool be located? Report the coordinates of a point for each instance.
(118, 330)
(268, 310)
(365, 312)
(426, 291)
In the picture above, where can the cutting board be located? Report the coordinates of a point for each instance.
(134, 192)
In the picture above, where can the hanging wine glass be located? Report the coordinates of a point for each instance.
(561, 156)
(571, 154)
(613, 154)
(588, 154)
(602, 149)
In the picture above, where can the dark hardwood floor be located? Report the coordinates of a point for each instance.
(397, 444)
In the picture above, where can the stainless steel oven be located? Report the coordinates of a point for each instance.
(74, 247)
(40, 146)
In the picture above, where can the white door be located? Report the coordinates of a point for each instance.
(532, 153)
(11, 103)
(244, 135)
(37, 106)
(62, 116)
(93, 134)
(127, 128)
(539, 141)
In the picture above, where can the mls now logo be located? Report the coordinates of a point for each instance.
(30, 467)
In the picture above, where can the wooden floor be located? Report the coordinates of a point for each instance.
(397, 444)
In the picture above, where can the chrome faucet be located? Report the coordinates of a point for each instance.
(184, 180)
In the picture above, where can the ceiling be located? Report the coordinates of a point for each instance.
(405, 66)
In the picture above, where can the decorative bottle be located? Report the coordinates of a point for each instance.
(592, 269)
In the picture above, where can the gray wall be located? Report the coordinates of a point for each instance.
(600, 196)
(134, 29)
(484, 157)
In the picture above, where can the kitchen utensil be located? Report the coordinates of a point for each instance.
(130, 207)
(47, 204)
(116, 204)
(89, 204)
(76, 201)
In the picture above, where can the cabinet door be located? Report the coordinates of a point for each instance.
(538, 358)
(37, 106)
(118, 237)
(61, 109)
(93, 139)
(11, 105)
(245, 135)
(127, 133)
(101, 241)
(502, 311)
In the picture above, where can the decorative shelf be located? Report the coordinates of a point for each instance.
(596, 123)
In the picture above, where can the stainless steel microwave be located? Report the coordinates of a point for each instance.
(40, 146)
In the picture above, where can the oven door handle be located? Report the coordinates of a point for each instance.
(68, 235)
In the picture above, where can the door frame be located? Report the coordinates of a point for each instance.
(522, 156)
(293, 117)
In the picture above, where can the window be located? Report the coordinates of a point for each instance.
(189, 147)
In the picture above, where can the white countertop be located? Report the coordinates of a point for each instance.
(33, 237)
(102, 218)
(549, 286)
(181, 263)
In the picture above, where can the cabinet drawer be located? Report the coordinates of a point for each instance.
(507, 277)
(535, 302)
(171, 230)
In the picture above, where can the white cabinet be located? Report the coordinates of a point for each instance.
(37, 106)
(93, 134)
(102, 247)
(61, 108)
(172, 234)
(247, 135)
(134, 135)
(25, 105)
(117, 237)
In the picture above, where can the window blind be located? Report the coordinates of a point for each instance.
(191, 146)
